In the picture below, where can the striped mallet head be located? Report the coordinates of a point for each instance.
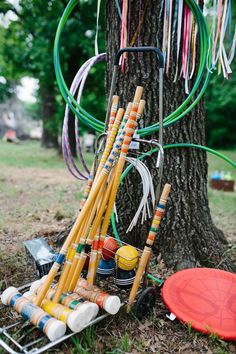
(74, 319)
(109, 303)
(71, 300)
(51, 327)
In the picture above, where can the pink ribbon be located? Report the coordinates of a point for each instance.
(187, 17)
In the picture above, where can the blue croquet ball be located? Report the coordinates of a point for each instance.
(124, 278)
(106, 268)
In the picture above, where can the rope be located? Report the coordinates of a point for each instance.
(148, 189)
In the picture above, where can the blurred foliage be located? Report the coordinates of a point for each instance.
(6, 90)
(221, 111)
(33, 109)
(6, 87)
(27, 49)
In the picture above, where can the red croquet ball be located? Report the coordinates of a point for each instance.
(109, 248)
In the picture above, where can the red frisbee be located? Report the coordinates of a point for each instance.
(204, 298)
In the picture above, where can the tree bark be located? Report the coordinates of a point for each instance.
(48, 108)
(187, 236)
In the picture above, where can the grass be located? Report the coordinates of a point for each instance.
(85, 342)
(63, 197)
(219, 199)
(122, 345)
(31, 154)
(217, 164)
(222, 204)
(35, 188)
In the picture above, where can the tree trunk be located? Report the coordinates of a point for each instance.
(187, 236)
(50, 130)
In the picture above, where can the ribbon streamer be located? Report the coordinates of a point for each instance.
(148, 189)
(123, 43)
(180, 15)
(97, 27)
(118, 8)
(169, 36)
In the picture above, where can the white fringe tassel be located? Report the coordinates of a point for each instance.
(148, 189)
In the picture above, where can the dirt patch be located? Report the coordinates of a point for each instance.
(34, 202)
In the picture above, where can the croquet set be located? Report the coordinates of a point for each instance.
(95, 273)
(70, 301)
(73, 295)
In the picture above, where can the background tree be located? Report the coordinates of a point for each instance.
(28, 50)
(188, 236)
(6, 82)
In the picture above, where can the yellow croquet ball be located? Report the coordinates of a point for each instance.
(126, 257)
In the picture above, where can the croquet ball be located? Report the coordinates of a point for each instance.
(109, 248)
(106, 268)
(126, 257)
(124, 278)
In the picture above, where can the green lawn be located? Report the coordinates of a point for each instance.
(217, 164)
(31, 154)
(223, 204)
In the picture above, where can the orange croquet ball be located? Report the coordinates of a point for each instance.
(110, 247)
